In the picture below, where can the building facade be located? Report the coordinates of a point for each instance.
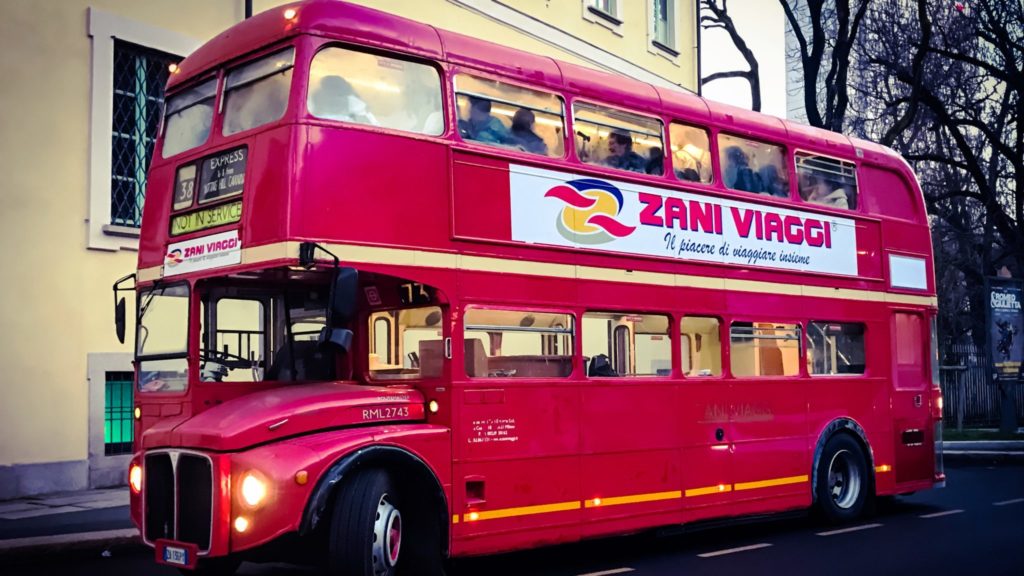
(81, 101)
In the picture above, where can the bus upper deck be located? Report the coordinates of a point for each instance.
(253, 159)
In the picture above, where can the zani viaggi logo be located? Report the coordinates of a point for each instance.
(591, 207)
(173, 257)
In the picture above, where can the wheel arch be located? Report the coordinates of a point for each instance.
(849, 427)
(414, 473)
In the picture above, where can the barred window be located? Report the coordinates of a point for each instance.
(140, 75)
(117, 414)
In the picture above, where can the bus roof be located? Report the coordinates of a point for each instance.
(369, 27)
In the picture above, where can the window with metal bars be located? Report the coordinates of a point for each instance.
(117, 414)
(140, 75)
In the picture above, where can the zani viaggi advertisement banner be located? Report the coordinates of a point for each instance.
(1006, 328)
(203, 253)
(558, 208)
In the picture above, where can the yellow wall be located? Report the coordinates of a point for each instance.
(55, 305)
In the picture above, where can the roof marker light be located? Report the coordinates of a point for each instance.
(290, 14)
(173, 68)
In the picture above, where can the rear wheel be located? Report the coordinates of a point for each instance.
(843, 483)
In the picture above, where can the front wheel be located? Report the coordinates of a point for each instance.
(843, 483)
(366, 527)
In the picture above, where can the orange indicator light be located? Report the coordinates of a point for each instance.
(301, 477)
(473, 517)
(597, 501)
(721, 487)
(241, 524)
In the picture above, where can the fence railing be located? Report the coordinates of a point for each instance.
(970, 399)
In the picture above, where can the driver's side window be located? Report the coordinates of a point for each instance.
(235, 340)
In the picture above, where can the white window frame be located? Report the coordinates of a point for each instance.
(589, 15)
(673, 45)
(103, 28)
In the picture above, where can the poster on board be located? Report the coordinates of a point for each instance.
(1006, 328)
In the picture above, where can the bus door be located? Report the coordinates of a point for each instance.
(914, 448)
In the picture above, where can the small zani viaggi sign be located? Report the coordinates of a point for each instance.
(203, 253)
(561, 209)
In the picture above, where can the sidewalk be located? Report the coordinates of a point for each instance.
(974, 450)
(64, 521)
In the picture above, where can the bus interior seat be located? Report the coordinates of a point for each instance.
(311, 362)
(431, 357)
(475, 358)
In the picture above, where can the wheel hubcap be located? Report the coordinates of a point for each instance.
(844, 479)
(387, 537)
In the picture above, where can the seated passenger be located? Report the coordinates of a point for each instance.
(655, 161)
(525, 137)
(772, 183)
(335, 99)
(737, 173)
(621, 154)
(482, 126)
(814, 188)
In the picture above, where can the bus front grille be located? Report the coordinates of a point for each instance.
(178, 498)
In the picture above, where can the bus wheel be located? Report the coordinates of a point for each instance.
(366, 527)
(843, 482)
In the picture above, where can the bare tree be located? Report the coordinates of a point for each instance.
(717, 16)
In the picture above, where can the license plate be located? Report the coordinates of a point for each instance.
(175, 555)
(181, 554)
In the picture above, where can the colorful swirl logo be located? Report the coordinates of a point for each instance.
(173, 258)
(590, 211)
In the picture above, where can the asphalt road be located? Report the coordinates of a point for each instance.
(974, 526)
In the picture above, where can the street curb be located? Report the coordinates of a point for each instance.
(996, 457)
(80, 541)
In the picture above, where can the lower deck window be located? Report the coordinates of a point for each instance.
(701, 345)
(764, 349)
(407, 343)
(835, 348)
(518, 343)
(623, 344)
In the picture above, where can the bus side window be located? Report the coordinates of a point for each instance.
(764, 349)
(701, 346)
(518, 343)
(633, 344)
(835, 348)
(352, 86)
(691, 153)
(618, 139)
(827, 181)
(753, 166)
(500, 114)
(406, 343)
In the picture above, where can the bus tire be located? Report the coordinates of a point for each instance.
(843, 482)
(366, 527)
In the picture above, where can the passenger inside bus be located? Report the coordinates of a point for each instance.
(814, 188)
(482, 126)
(621, 154)
(737, 172)
(335, 99)
(655, 161)
(525, 137)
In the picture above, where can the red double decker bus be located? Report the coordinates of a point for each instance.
(406, 295)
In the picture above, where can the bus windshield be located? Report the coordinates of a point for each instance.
(162, 342)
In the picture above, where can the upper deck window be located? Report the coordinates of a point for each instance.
(827, 181)
(500, 114)
(375, 90)
(691, 153)
(257, 93)
(753, 166)
(618, 139)
(188, 118)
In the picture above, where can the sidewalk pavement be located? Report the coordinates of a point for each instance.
(99, 519)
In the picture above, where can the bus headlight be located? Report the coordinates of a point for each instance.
(254, 490)
(135, 478)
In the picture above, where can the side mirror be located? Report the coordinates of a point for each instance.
(119, 320)
(340, 338)
(343, 296)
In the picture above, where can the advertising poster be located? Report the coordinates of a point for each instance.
(1006, 328)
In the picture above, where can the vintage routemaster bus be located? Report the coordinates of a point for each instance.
(406, 295)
